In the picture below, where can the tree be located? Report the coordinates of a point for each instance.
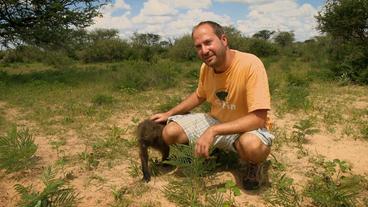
(284, 38)
(263, 34)
(44, 23)
(345, 19)
(346, 22)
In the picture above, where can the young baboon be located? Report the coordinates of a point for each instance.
(150, 135)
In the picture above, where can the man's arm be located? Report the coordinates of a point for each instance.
(254, 120)
(188, 104)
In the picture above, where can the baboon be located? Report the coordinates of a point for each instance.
(149, 134)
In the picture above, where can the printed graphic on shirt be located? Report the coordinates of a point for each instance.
(221, 100)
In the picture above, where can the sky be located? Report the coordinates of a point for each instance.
(175, 18)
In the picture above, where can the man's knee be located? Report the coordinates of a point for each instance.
(174, 134)
(251, 148)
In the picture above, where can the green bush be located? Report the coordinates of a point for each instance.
(106, 50)
(17, 150)
(57, 59)
(143, 75)
(261, 48)
(23, 54)
(183, 49)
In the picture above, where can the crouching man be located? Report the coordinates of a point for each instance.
(236, 86)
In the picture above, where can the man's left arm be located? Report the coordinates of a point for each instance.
(254, 120)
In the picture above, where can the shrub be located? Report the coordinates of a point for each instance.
(143, 75)
(183, 49)
(17, 150)
(106, 50)
(55, 193)
(261, 48)
(23, 54)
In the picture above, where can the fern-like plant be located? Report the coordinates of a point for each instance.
(17, 150)
(182, 156)
(55, 193)
(332, 184)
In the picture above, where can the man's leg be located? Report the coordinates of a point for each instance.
(173, 133)
(253, 151)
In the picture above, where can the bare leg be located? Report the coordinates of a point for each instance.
(174, 134)
(251, 149)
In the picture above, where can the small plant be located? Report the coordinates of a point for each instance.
(185, 192)
(17, 150)
(232, 191)
(119, 199)
(182, 156)
(134, 169)
(283, 193)
(301, 130)
(55, 193)
(332, 184)
(188, 191)
(364, 131)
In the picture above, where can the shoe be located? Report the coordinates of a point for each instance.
(253, 176)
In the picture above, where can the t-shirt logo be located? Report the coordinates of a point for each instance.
(221, 95)
(221, 101)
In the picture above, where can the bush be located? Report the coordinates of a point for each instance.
(106, 50)
(17, 150)
(183, 49)
(261, 48)
(23, 54)
(143, 75)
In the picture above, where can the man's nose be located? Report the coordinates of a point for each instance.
(205, 49)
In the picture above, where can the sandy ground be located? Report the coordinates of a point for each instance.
(95, 186)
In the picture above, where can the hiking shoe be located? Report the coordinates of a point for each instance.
(253, 177)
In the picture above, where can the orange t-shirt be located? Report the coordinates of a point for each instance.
(241, 89)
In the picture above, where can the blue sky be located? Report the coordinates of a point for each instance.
(174, 18)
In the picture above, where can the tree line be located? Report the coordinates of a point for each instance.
(54, 31)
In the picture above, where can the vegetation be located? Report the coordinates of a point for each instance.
(45, 23)
(17, 150)
(55, 193)
(345, 21)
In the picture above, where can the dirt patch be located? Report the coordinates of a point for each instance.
(350, 150)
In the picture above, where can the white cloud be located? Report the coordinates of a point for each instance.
(285, 15)
(191, 4)
(108, 21)
(173, 18)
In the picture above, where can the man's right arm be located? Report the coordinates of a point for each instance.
(188, 104)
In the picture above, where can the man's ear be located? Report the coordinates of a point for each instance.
(224, 40)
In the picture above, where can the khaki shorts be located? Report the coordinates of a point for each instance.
(194, 126)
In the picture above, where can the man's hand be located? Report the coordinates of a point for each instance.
(161, 117)
(204, 143)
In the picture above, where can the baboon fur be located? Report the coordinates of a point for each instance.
(149, 134)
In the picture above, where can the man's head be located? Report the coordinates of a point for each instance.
(210, 43)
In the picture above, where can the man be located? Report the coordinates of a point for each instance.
(236, 86)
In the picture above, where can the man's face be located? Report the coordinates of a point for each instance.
(210, 48)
